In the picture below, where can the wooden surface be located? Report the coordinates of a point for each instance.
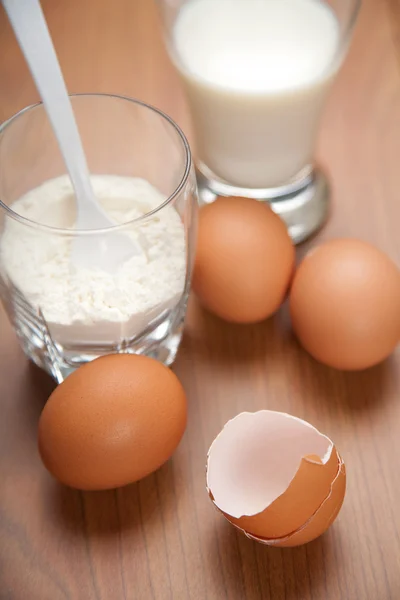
(161, 539)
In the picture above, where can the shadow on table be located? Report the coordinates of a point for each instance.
(234, 566)
(29, 397)
(254, 571)
(273, 343)
(41, 385)
(211, 338)
(107, 514)
(350, 391)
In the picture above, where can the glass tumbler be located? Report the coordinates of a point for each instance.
(257, 74)
(65, 309)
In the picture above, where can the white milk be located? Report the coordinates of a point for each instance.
(256, 73)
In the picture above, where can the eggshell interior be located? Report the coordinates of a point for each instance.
(269, 472)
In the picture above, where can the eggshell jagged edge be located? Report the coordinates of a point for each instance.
(320, 521)
(325, 513)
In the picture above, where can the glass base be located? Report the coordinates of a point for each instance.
(160, 340)
(303, 204)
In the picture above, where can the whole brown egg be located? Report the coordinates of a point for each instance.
(244, 260)
(112, 422)
(345, 304)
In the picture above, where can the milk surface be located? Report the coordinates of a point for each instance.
(256, 73)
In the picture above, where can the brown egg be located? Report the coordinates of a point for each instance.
(112, 422)
(276, 478)
(244, 261)
(345, 304)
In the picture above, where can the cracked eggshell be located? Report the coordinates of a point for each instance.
(319, 522)
(275, 477)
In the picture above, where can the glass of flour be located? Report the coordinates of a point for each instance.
(65, 313)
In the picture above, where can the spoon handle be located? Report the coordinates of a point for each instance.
(30, 28)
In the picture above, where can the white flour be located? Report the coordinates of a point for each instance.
(83, 305)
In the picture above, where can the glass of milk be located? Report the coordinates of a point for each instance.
(66, 313)
(257, 74)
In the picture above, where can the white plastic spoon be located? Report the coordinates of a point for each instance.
(106, 251)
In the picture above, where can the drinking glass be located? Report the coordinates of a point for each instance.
(64, 314)
(254, 139)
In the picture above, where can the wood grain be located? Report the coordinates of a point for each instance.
(161, 539)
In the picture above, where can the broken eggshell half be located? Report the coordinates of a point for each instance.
(276, 477)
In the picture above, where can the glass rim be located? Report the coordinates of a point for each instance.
(119, 226)
(355, 6)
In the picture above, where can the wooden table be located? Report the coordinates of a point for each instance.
(161, 539)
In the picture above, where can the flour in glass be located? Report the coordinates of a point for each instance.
(90, 306)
